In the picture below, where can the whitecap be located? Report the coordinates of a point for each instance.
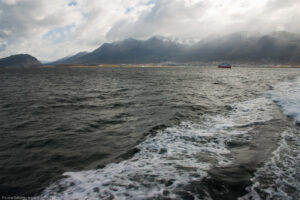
(287, 96)
(279, 178)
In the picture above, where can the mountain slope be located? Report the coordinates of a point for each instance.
(70, 59)
(131, 51)
(19, 60)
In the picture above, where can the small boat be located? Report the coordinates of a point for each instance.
(224, 65)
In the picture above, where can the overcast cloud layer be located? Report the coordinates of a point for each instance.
(53, 29)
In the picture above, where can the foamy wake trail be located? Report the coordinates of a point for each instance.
(287, 96)
(166, 162)
(279, 178)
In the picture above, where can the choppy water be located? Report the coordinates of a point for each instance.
(150, 133)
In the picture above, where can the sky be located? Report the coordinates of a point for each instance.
(52, 29)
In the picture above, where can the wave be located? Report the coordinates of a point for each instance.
(168, 160)
(287, 96)
(279, 178)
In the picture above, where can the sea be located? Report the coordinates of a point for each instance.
(133, 133)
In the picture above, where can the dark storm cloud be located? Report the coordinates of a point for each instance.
(33, 26)
(165, 18)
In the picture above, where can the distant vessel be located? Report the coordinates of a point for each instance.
(224, 65)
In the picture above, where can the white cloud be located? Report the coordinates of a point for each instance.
(56, 28)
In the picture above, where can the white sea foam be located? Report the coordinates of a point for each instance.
(167, 161)
(279, 178)
(287, 96)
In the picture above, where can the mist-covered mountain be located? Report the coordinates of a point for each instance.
(19, 60)
(276, 47)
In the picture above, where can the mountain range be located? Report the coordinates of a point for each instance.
(276, 47)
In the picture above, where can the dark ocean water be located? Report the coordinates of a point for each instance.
(150, 133)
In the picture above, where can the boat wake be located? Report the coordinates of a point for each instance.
(287, 96)
(279, 178)
(167, 161)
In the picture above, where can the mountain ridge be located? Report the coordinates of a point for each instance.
(276, 47)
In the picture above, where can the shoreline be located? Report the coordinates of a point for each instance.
(285, 66)
(156, 65)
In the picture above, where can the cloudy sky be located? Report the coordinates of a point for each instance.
(53, 29)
